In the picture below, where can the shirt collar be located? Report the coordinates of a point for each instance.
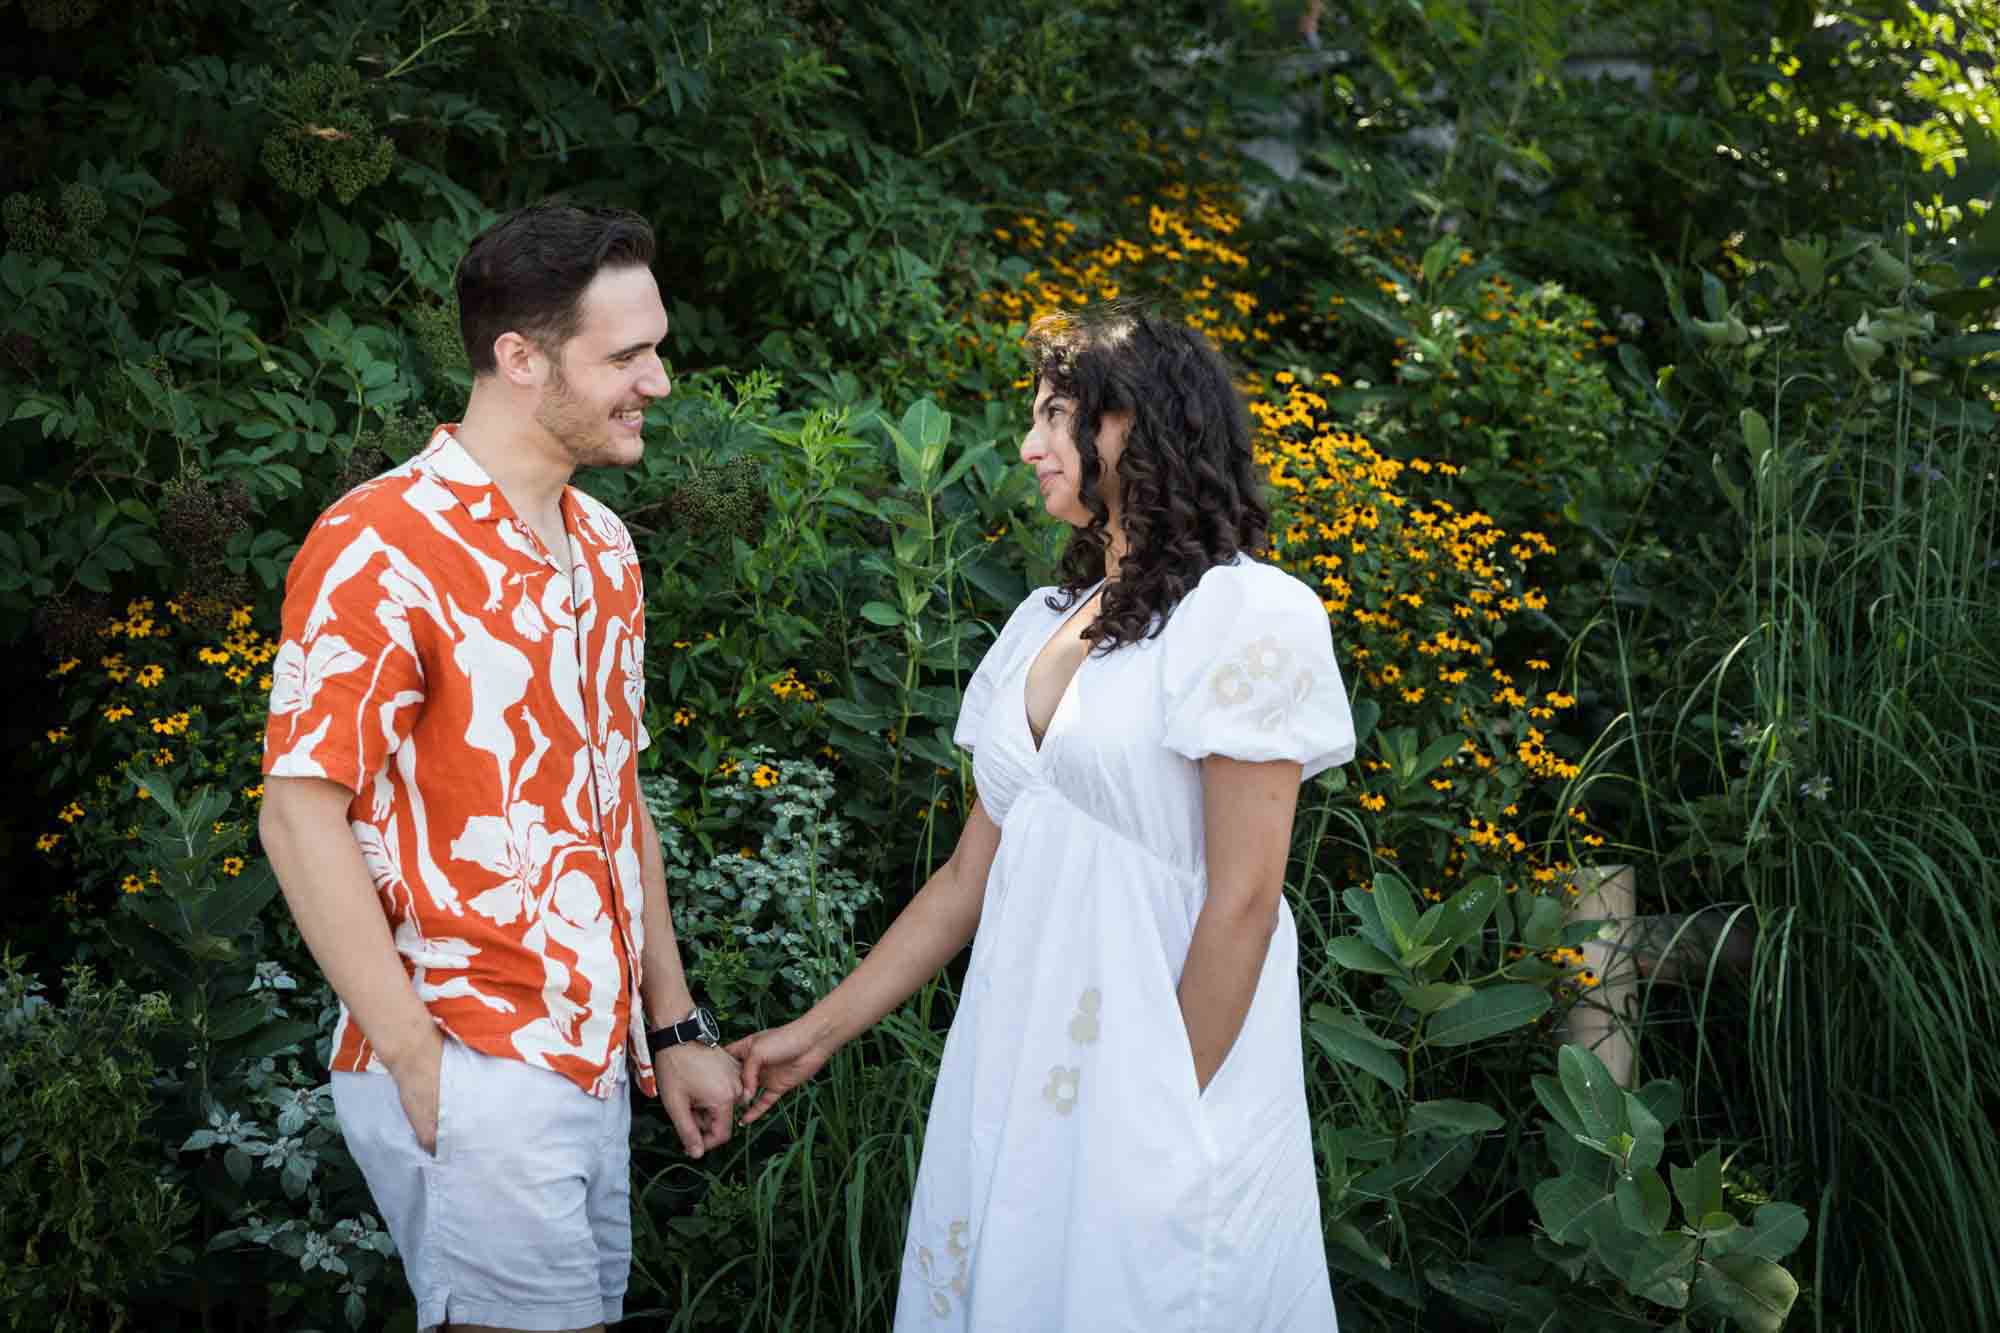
(445, 459)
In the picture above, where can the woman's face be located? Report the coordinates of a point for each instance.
(1050, 449)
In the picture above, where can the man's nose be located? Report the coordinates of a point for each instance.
(658, 384)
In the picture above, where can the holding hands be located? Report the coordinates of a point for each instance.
(777, 1060)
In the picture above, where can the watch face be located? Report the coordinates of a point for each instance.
(705, 1022)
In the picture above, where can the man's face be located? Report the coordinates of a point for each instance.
(600, 381)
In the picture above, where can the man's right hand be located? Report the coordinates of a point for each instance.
(417, 1072)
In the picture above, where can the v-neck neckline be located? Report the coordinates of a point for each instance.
(1027, 722)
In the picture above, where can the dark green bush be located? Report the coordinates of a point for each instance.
(88, 1219)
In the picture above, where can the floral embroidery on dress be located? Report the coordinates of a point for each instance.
(947, 1277)
(1083, 1027)
(1265, 658)
(1256, 680)
(1061, 1089)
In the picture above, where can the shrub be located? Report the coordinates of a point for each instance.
(87, 1221)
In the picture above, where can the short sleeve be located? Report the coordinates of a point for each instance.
(994, 668)
(347, 683)
(1249, 673)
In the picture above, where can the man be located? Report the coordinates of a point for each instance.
(452, 802)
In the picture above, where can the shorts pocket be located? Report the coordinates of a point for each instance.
(448, 1062)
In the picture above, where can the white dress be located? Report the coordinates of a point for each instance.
(1073, 1178)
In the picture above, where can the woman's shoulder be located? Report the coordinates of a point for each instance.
(1229, 589)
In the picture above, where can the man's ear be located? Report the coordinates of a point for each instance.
(519, 361)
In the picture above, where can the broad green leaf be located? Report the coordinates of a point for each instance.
(269, 1040)
(1357, 955)
(1454, 1117)
(1338, 1037)
(1327, 1014)
(1460, 918)
(1432, 996)
(1663, 1098)
(1649, 1140)
(1756, 433)
(235, 903)
(1643, 1205)
(1543, 923)
(1368, 920)
(236, 1017)
(1699, 1187)
(1808, 261)
(1398, 909)
(1774, 1232)
(881, 613)
(1569, 1208)
(1555, 1100)
(1491, 1011)
(1349, 1237)
(1599, 1101)
(1663, 1270)
(1715, 1225)
(1755, 1294)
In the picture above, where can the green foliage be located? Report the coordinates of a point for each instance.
(1821, 746)
(86, 1220)
(323, 140)
(764, 899)
(241, 1085)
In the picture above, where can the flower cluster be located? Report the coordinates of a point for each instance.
(1422, 595)
(171, 689)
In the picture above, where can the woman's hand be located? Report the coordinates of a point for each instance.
(777, 1060)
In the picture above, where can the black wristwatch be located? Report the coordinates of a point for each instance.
(697, 1026)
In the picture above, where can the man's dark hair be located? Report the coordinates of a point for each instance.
(526, 273)
(1187, 479)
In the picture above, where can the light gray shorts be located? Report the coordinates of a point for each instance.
(523, 1217)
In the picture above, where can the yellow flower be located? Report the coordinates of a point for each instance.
(727, 768)
(150, 675)
(67, 665)
(237, 674)
(48, 842)
(57, 735)
(1375, 803)
(132, 884)
(70, 813)
(232, 866)
(765, 776)
(255, 793)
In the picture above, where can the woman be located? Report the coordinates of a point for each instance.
(1119, 1139)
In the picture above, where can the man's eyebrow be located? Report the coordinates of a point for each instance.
(635, 348)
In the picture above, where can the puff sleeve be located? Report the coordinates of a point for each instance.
(993, 667)
(1249, 672)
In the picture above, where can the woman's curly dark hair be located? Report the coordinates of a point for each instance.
(1187, 484)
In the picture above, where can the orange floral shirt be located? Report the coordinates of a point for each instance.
(485, 704)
